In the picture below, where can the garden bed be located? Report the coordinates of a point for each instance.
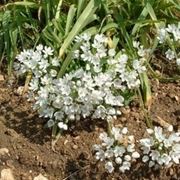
(29, 142)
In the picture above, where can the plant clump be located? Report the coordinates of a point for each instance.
(92, 86)
(170, 38)
(117, 150)
(161, 149)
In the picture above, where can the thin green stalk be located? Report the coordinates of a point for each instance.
(58, 9)
(67, 61)
(147, 118)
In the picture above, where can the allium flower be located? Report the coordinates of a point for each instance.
(92, 88)
(160, 148)
(138, 66)
(47, 51)
(63, 126)
(178, 61)
(170, 54)
(116, 150)
(172, 34)
(109, 166)
(161, 35)
(125, 166)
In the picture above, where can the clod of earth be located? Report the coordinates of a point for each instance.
(40, 177)
(6, 174)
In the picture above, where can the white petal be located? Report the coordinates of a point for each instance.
(135, 155)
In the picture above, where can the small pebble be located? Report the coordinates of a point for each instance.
(123, 119)
(75, 147)
(4, 151)
(20, 90)
(6, 174)
(40, 177)
(1, 77)
(171, 171)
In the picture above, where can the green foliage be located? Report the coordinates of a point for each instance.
(17, 29)
(55, 23)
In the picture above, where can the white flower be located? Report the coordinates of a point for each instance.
(135, 155)
(130, 148)
(145, 158)
(85, 37)
(53, 72)
(108, 142)
(176, 148)
(151, 163)
(178, 61)
(154, 155)
(109, 166)
(34, 84)
(137, 66)
(165, 159)
(50, 123)
(43, 65)
(125, 166)
(55, 62)
(118, 160)
(124, 130)
(111, 52)
(116, 132)
(82, 37)
(162, 35)
(123, 59)
(146, 142)
(146, 150)
(97, 147)
(109, 153)
(170, 54)
(122, 154)
(175, 157)
(39, 47)
(59, 115)
(100, 155)
(136, 44)
(127, 158)
(158, 134)
(48, 51)
(161, 148)
(175, 30)
(63, 126)
(119, 151)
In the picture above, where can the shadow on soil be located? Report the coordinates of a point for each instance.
(24, 122)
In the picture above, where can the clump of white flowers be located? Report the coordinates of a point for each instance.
(171, 36)
(161, 149)
(91, 87)
(117, 150)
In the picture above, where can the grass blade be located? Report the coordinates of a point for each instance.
(70, 18)
(79, 25)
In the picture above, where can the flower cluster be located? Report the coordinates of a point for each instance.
(161, 149)
(91, 88)
(117, 150)
(171, 36)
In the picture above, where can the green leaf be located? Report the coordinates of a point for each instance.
(67, 61)
(70, 19)
(22, 3)
(80, 24)
(109, 26)
(81, 4)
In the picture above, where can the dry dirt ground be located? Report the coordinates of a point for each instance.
(28, 142)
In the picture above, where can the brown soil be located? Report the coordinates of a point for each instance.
(22, 132)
